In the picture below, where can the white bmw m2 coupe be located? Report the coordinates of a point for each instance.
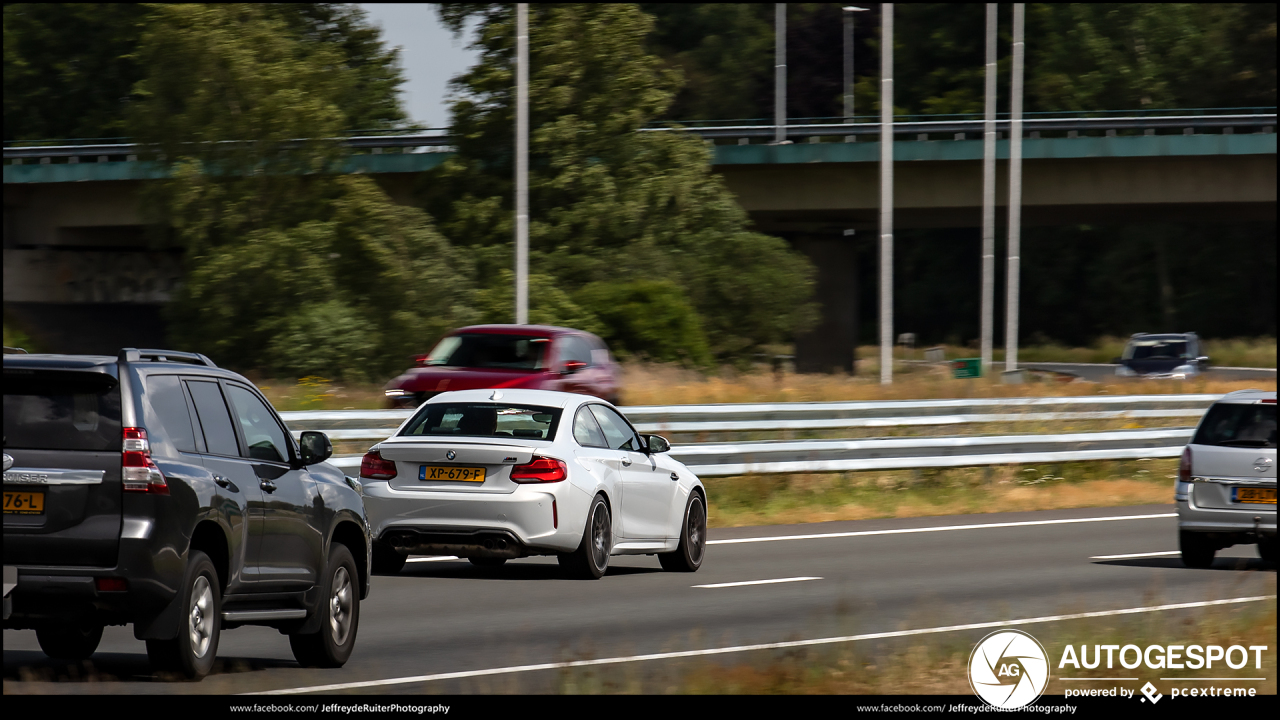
(491, 475)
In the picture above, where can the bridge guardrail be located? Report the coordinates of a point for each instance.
(440, 138)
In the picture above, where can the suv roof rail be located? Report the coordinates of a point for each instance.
(14, 351)
(138, 355)
(1137, 335)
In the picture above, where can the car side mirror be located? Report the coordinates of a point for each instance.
(1203, 359)
(657, 444)
(572, 366)
(315, 446)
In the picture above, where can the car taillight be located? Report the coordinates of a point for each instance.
(138, 472)
(1269, 401)
(374, 466)
(541, 470)
(1184, 466)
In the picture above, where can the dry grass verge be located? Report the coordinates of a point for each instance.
(936, 664)
(823, 497)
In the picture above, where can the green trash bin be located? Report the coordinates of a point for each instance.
(966, 367)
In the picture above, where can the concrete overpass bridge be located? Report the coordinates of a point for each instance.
(74, 251)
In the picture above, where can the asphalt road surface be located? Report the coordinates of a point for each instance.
(843, 578)
(1094, 372)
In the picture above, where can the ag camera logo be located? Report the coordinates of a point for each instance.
(1008, 669)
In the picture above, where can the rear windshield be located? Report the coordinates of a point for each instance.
(1144, 349)
(50, 410)
(485, 420)
(517, 352)
(1233, 425)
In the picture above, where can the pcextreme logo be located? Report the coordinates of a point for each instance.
(1008, 669)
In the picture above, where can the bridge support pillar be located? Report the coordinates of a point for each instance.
(829, 347)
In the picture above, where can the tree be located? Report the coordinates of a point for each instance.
(70, 68)
(291, 266)
(608, 203)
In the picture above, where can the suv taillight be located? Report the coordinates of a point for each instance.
(138, 472)
(541, 470)
(1184, 466)
(373, 466)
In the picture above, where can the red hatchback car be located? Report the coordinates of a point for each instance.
(536, 357)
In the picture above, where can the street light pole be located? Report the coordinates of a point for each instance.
(989, 196)
(522, 163)
(1015, 191)
(849, 10)
(779, 72)
(886, 194)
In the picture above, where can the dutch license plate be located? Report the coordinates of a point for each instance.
(1265, 496)
(458, 474)
(23, 503)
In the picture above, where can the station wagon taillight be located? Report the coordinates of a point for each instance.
(541, 470)
(1184, 466)
(138, 471)
(375, 467)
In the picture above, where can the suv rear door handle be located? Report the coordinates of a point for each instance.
(221, 481)
(267, 486)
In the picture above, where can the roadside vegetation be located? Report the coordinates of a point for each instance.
(785, 499)
(931, 665)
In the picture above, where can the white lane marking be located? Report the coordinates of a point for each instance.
(1135, 555)
(746, 648)
(757, 582)
(441, 558)
(1188, 679)
(1062, 678)
(943, 528)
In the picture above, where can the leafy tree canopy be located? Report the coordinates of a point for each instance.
(70, 68)
(291, 267)
(607, 203)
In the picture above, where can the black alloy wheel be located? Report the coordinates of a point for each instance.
(591, 559)
(693, 539)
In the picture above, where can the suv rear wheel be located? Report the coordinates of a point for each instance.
(1197, 550)
(339, 615)
(192, 652)
(70, 642)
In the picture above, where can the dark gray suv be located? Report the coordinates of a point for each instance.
(157, 490)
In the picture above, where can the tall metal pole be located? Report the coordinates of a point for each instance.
(848, 66)
(780, 72)
(989, 196)
(886, 195)
(522, 163)
(1015, 192)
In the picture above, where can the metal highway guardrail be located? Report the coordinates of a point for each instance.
(441, 139)
(809, 456)
(791, 456)
(375, 425)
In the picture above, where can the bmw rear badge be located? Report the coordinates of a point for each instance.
(451, 454)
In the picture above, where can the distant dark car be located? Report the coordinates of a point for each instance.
(1168, 355)
(534, 357)
(158, 490)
